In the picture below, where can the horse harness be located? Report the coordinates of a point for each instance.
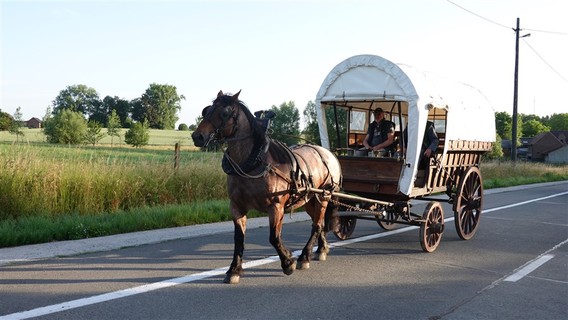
(300, 182)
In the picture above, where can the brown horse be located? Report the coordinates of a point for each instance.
(265, 175)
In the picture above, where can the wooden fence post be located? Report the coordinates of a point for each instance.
(176, 156)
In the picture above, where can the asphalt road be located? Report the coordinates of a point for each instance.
(516, 267)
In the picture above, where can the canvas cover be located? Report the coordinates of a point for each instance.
(365, 78)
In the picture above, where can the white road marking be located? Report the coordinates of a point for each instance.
(528, 268)
(219, 271)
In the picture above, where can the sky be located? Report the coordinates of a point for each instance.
(275, 51)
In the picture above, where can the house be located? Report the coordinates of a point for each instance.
(33, 123)
(558, 156)
(547, 142)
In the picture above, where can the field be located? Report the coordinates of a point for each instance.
(50, 180)
(58, 192)
(157, 138)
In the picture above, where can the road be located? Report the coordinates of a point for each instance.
(516, 267)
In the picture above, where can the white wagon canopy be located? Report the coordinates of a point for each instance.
(463, 117)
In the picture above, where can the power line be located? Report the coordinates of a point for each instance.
(560, 33)
(477, 15)
(504, 26)
(543, 60)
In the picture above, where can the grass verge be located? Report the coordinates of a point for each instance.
(41, 228)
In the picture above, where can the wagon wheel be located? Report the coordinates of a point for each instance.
(389, 216)
(344, 226)
(468, 204)
(432, 227)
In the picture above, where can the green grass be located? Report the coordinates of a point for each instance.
(52, 180)
(53, 192)
(41, 229)
(499, 174)
(157, 137)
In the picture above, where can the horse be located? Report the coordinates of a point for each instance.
(266, 175)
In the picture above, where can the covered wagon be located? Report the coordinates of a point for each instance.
(378, 185)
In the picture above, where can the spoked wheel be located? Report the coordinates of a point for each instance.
(343, 226)
(433, 226)
(468, 204)
(388, 225)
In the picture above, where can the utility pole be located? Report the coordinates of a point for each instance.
(516, 88)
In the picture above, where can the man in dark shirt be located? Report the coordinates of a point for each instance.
(429, 143)
(380, 134)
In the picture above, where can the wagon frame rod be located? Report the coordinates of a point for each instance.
(365, 213)
(345, 196)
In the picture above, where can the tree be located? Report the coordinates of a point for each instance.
(558, 121)
(286, 124)
(159, 106)
(93, 134)
(533, 127)
(78, 98)
(183, 127)
(504, 126)
(121, 107)
(113, 126)
(16, 127)
(65, 126)
(5, 121)
(311, 130)
(138, 135)
(496, 149)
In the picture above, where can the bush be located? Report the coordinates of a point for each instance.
(138, 135)
(66, 126)
(183, 127)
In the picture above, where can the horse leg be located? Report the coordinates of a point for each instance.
(316, 211)
(233, 275)
(323, 246)
(276, 215)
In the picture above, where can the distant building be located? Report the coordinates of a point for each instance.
(550, 147)
(546, 143)
(33, 123)
(559, 156)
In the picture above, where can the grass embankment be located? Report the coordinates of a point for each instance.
(499, 174)
(52, 193)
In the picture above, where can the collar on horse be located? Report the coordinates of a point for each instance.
(255, 160)
(257, 157)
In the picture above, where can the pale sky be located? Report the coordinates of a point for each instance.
(275, 51)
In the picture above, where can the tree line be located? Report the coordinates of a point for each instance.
(78, 115)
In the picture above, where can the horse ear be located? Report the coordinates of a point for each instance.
(236, 95)
(220, 93)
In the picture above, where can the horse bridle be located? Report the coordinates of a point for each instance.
(225, 117)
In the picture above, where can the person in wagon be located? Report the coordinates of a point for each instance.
(380, 134)
(429, 143)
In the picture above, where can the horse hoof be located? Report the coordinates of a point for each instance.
(322, 256)
(303, 265)
(232, 279)
(290, 269)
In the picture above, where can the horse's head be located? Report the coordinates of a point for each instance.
(220, 120)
